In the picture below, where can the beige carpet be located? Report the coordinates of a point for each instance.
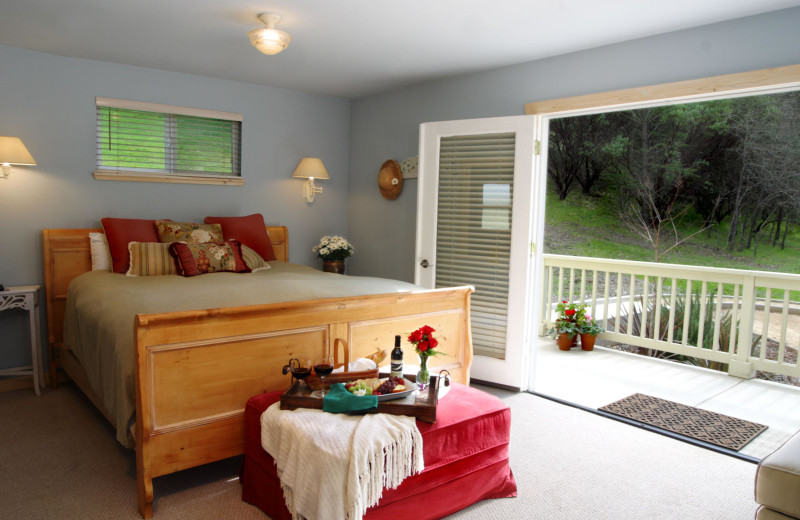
(59, 460)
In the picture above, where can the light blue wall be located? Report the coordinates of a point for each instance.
(386, 126)
(48, 101)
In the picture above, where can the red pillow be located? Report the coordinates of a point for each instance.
(250, 231)
(120, 232)
(208, 257)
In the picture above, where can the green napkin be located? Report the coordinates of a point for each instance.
(339, 400)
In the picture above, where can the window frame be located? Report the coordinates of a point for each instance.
(181, 177)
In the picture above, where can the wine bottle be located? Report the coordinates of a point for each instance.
(397, 359)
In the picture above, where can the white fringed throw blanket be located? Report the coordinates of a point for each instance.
(335, 466)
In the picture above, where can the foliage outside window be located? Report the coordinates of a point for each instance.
(731, 161)
(142, 141)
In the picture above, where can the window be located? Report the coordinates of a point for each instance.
(497, 206)
(162, 143)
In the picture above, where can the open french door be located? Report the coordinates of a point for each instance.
(475, 226)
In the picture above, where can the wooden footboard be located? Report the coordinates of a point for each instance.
(196, 370)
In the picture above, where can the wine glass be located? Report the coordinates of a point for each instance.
(301, 369)
(323, 366)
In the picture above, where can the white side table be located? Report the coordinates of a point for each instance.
(26, 297)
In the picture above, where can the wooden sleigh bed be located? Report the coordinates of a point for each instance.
(195, 370)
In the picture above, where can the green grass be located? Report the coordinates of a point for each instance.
(589, 226)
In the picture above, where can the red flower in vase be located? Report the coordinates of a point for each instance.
(423, 341)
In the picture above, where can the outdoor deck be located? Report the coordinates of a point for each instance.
(594, 379)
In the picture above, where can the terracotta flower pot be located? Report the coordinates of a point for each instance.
(564, 342)
(587, 341)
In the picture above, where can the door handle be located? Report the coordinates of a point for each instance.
(425, 264)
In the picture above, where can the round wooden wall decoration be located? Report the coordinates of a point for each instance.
(390, 180)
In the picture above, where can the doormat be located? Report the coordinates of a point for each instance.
(713, 428)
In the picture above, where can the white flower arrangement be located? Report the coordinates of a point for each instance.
(333, 248)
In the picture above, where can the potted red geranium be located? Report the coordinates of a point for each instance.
(567, 326)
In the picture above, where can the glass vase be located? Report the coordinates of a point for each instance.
(423, 376)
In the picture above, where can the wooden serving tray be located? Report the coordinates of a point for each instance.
(420, 404)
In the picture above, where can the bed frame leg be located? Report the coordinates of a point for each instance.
(53, 374)
(145, 488)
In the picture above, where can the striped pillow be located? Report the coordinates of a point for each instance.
(150, 259)
(253, 259)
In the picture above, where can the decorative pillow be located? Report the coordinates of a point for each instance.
(188, 232)
(122, 231)
(253, 260)
(150, 259)
(210, 257)
(98, 247)
(250, 231)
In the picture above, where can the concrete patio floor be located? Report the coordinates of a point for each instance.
(602, 376)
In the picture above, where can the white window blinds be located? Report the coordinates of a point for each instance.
(146, 137)
(473, 234)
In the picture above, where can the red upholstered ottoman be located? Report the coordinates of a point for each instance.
(466, 460)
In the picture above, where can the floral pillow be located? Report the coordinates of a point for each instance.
(210, 257)
(189, 232)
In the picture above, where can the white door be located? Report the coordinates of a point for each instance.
(475, 226)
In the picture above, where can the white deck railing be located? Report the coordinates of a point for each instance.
(646, 304)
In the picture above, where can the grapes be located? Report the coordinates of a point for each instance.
(365, 386)
(388, 386)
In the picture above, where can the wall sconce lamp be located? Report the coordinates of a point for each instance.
(310, 168)
(12, 151)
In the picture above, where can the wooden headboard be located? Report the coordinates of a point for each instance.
(67, 254)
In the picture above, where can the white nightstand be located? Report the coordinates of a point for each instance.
(26, 297)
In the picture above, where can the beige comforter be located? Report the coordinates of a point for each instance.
(101, 306)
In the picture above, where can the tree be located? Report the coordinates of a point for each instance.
(663, 158)
(767, 167)
(580, 150)
(562, 155)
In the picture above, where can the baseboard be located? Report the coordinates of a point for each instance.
(18, 383)
(495, 385)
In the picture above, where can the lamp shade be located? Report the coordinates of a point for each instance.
(311, 168)
(12, 151)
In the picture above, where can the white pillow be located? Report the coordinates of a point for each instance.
(98, 246)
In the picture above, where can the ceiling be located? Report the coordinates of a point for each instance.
(348, 48)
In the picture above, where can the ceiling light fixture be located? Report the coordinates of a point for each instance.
(269, 40)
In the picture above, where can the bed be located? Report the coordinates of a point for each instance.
(194, 369)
